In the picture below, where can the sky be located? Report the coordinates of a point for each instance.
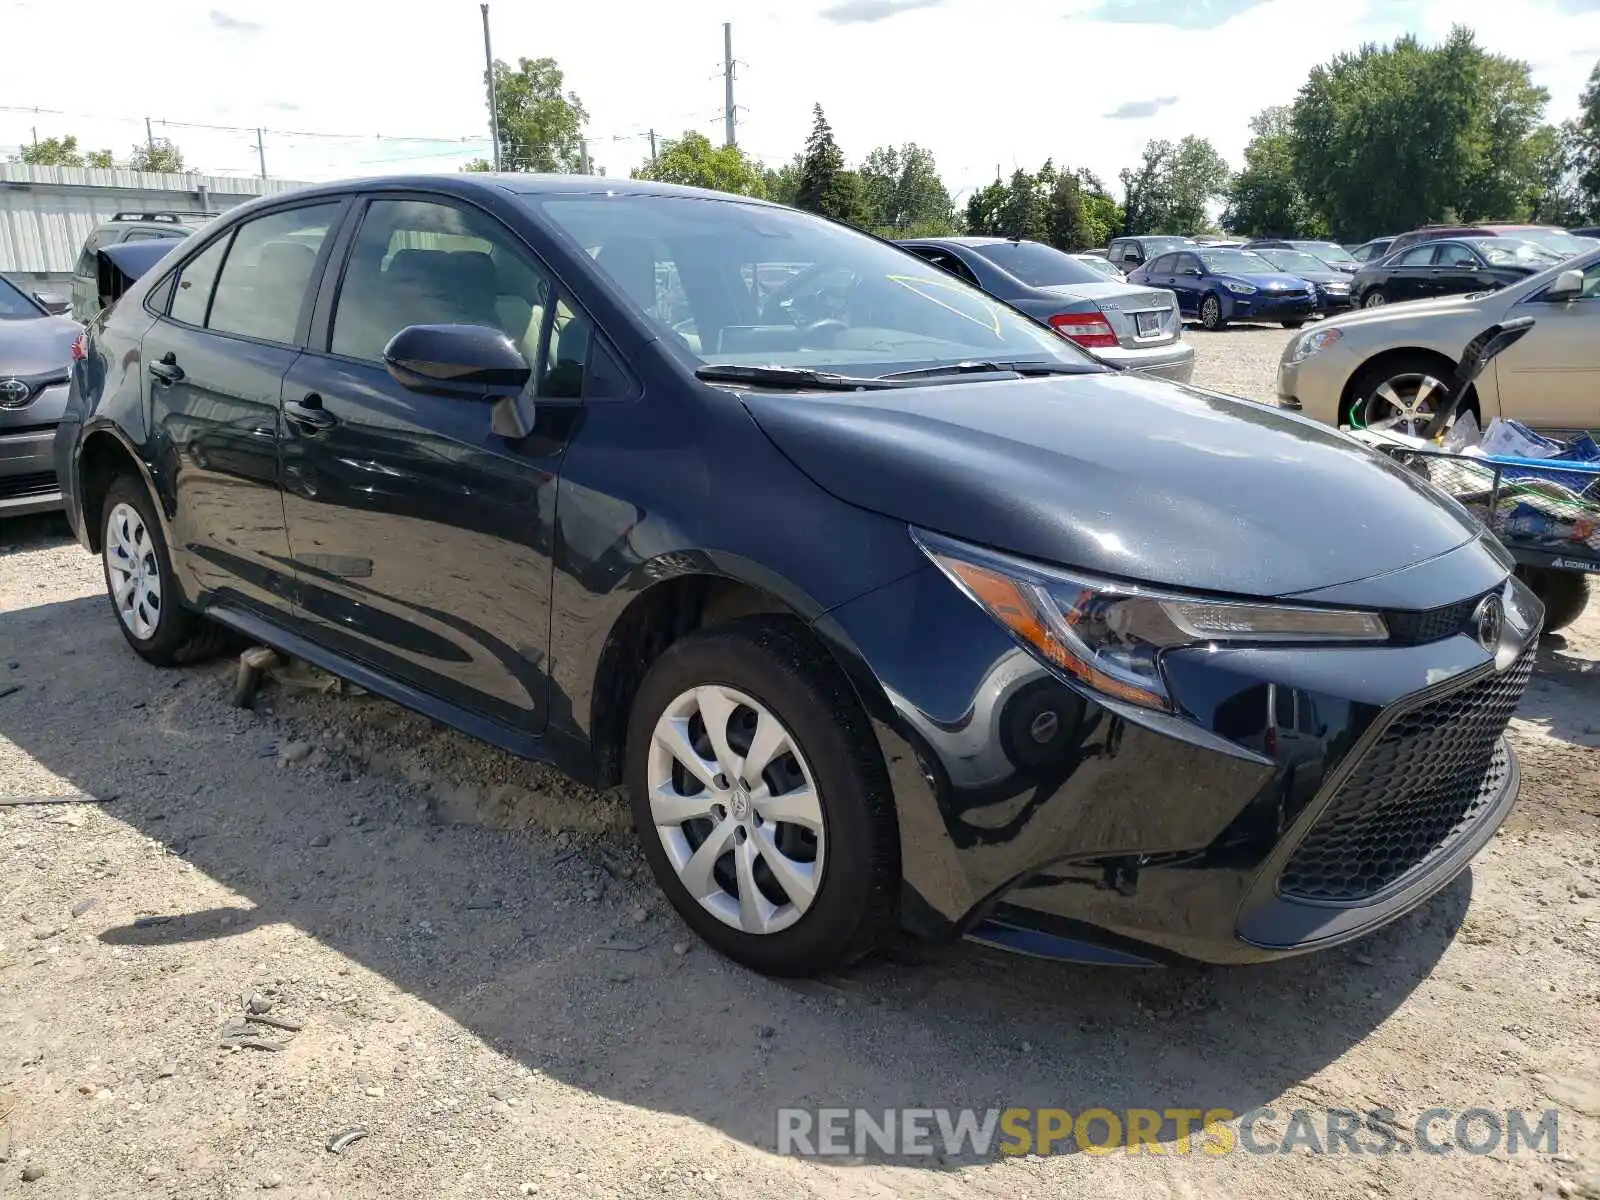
(344, 88)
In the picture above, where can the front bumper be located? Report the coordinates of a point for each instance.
(1315, 385)
(1267, 306)
(27, 461)
(1174, 361)
(1040, 817)
(1334, 302)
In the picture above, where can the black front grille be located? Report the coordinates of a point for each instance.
(1418, 628)
(37, 483)
(1419, 787)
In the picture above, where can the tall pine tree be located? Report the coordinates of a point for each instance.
(826, 188)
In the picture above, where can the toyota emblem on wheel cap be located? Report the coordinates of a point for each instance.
(13, 392)
(1487, 620)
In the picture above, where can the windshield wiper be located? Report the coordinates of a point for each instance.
(786, 377)
(985, 367)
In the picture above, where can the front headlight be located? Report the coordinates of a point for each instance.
(1336, 287)
(1110, 636)
(1310, 343)
(1243, 289)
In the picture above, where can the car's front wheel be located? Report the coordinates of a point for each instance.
(1400, 395)
(1565, 594)
(141, 585)
(1292, 324)
(1211, 314)
(760, 802)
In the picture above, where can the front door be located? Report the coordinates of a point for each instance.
(214, 367)
(1411, 276)
(1551, 378)
(421, 539)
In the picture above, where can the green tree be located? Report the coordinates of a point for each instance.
(52, 152)
(1391, 137)
(983, 210)
(1063, 214)
(783, 184)
(1022, 212)
(98, 158)
(1170, 189)
(1102, 215)
(159, 155)
(825, 187)
(541, 129)
(1264, 199)
(1579, 156)
(903, 192)
(693, 161)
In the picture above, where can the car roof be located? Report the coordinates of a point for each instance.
(966, 241)
(467, 182)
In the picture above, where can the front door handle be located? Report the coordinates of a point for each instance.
(166, 368)
(309, 414)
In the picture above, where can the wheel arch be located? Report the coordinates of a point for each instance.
(678, 594)
(103, 454)
(1387, 359)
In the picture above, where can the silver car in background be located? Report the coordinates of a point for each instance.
(35, 357)
(1125, 325)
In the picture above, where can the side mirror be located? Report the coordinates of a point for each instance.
(55, 303)
(1568, 286)
(470, 362)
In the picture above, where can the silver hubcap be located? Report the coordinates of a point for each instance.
(736, 809)
(1210, 311)
(1376, 300)
(132, 572)
(1405, 404)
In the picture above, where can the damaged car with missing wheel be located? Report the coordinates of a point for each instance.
(888, 606)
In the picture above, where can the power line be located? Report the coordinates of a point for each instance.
(286, 133)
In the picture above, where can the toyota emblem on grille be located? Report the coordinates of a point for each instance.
(1487, 620)
(13, 393)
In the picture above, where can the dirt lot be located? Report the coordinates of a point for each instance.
(486, 982)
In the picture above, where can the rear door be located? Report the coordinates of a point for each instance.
(421, 539)
(1410, 276)
(214, 368)
(1551, 378)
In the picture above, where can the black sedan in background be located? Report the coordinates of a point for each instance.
(1333, 285)
(886, 604)
(1449, 267)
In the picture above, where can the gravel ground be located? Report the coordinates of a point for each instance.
(1241, 360)
(482, 977)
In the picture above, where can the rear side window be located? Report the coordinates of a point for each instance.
(1417, 256)
(1036, 264)
(267, 274)
(195, 281)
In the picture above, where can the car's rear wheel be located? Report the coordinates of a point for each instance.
(141, 585)
(1374, 298)
(1565, 594)
(759, 800)
(1292, 324)
(1400, 395)
(1211, 314)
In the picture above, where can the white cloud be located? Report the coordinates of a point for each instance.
(980, 90)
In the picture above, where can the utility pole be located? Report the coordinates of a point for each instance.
(652, 140)
(149, 138)
(652, 144)
(494, 100)
(261, 152)
(730, 118)
(583, 156)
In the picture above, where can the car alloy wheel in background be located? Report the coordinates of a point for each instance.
(736, 809)
(1374, 299)
(1211, 313)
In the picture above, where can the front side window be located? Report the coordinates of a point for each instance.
(420, 262)
(1164, 265)
(266, 277)
(850, 303)
(13, 304)
(195, 281)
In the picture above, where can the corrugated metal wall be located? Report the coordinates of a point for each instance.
(47, 212)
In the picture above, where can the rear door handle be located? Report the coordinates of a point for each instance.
(309, 414)
(166, 368)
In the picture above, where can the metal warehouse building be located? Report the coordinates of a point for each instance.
(46, 213)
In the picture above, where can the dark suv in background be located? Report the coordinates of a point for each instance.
(124, 227)
(1130, 253)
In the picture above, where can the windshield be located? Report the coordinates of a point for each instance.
(1236, 262)
(1037, 265)
(13, 304)
(1557, 241)
(1160, 245)
(753, 285)
(1514, 252)
(1294, 261)
(1330, 252)
(1100, 266)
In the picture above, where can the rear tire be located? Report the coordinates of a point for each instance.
(142, 588)
(763, 681)
(1565, 594)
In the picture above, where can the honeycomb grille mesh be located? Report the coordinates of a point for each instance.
(1418, 788)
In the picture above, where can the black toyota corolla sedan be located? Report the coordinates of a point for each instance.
(888, 605)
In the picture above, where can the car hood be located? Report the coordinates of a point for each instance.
(1267, 282)
(1121, 476)
(35, 345)
(1328, 276)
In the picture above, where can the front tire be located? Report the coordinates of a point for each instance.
(760, 801)
(1292, 324)
(1565, 594)
(1211, 317)
(142, 587)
